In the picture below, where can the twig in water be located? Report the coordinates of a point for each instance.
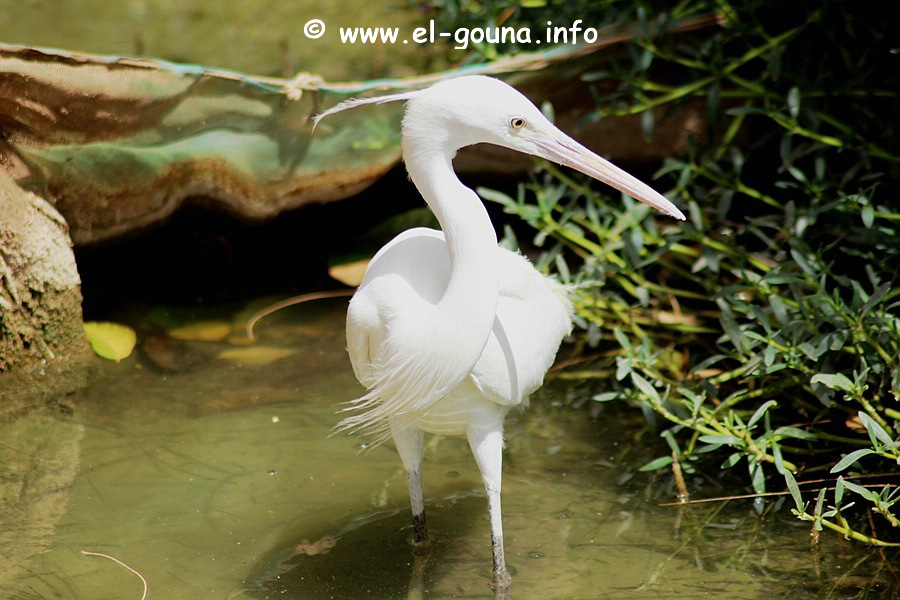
(116, 560)
(683, 496)
(290, 302)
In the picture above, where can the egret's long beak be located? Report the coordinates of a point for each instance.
(562, 149)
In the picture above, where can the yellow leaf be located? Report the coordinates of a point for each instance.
(201, 331)
(350, 273)
(112, 341)
(255, 355)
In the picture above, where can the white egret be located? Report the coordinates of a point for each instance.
(448, 331)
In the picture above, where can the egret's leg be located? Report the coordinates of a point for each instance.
(486, 440)
(410, 442)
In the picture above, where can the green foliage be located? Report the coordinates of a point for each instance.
(764, 330)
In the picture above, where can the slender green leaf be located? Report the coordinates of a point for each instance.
(670, 440)
(779, 460)
(733, 331)
(657, 463)
(793, 101)
(732, 460)
(757, 476)
(850, 459)
(795, 432)
(760, 412)
(876, 297)
(646, 387)
(623, 367)
(498, 197)
(875, 429)
(864, 492)
(647, 124)
(728, 440)
(794, 489)
(705, 364)
(820, 504)
(868, 215)
(606, 396)
(835, 381)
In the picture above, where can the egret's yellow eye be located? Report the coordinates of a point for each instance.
(517, 122)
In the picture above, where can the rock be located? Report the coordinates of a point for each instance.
(40, 301)
(117, 144)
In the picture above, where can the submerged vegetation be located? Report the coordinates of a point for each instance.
(762, 334)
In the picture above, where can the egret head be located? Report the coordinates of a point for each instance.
(472, 110)
(464, 111)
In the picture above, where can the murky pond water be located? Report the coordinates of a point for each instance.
(222, 481)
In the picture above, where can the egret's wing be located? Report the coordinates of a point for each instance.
(391, 276)
(364, 335)
(534, 314)
(386, 328)
(394, 346)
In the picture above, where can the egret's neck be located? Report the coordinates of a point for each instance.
(471, 241)
(434, 341)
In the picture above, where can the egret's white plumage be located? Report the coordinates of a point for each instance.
(448, 330)
(406, 280)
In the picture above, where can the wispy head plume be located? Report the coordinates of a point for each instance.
(354, 102)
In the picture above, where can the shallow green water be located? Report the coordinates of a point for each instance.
(221, 481)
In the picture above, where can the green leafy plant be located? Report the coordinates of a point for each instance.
(761, 334)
